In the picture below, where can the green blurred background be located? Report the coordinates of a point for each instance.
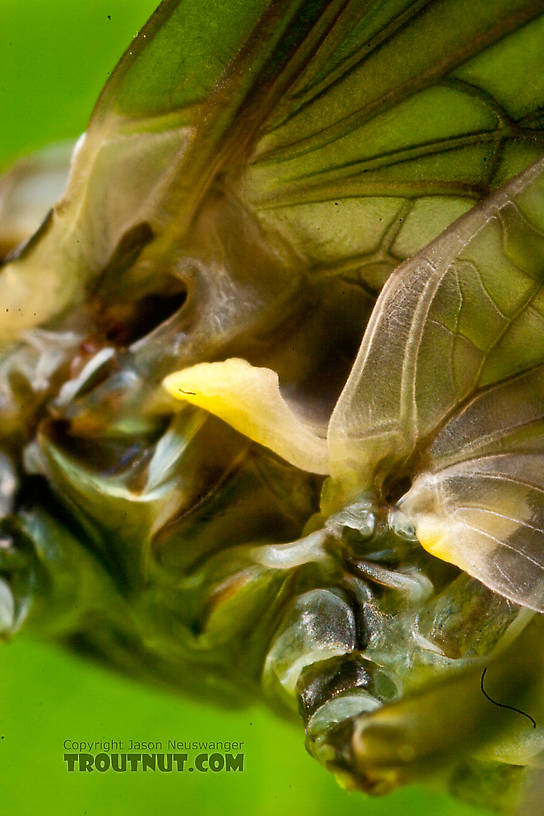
(55, 56)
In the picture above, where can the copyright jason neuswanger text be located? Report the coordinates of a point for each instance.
(166, 756)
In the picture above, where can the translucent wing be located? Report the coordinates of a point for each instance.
(327, 119)
(181, 102)
(448, 388)
(28, 190)
(398, 125)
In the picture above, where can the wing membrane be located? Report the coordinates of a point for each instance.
(186, 99)
(463, 314)
(448, 387)
(381, 143)
(327, 118)
(487, 516)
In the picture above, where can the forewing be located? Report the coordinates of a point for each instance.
(354, 130)
(448, 389)
(407, 115)
(187, 99)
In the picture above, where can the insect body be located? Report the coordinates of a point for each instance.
(261, 434)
